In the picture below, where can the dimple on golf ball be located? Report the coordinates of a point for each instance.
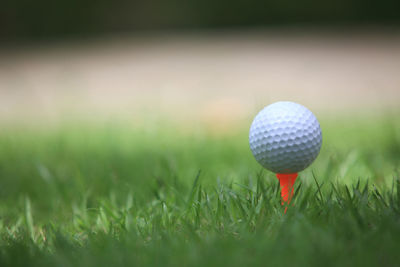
(285, 137)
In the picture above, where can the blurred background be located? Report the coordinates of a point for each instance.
(99, 97)
(216, 62)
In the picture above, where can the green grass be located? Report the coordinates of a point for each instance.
(119, 194)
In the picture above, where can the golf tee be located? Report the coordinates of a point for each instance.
(286, 181)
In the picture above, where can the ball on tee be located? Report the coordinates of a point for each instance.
(285, 137)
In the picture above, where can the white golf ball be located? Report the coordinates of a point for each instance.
(285, 137)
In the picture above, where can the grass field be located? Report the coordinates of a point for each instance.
(157, 193)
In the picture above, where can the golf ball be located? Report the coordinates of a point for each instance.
(285, 137)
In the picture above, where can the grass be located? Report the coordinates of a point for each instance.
(119, 194)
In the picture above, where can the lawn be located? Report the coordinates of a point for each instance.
(160, 193)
